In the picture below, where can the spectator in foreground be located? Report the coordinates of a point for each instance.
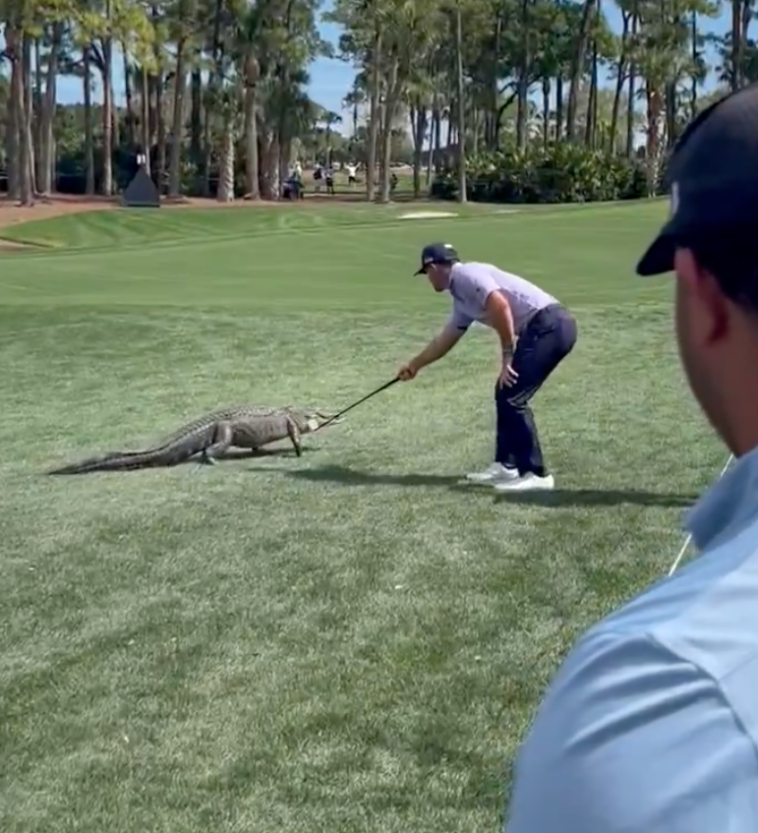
(651, 724)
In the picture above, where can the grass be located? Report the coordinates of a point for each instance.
(349, 642)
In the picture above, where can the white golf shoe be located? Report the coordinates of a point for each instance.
(496, 473)
(528, 483)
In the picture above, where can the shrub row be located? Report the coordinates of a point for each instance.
(561, 173)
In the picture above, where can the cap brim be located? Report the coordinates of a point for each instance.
(659, 257)
(438, 262)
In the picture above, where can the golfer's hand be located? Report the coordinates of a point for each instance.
(508, 375)
(406, 373)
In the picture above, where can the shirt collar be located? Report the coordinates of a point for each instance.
(729, 502)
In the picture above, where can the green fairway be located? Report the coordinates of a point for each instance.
(348, 642)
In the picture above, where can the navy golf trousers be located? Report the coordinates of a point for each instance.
(548, 337)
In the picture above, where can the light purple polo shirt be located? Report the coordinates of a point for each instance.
(471, 284)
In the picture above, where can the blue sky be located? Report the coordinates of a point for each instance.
(331, 79)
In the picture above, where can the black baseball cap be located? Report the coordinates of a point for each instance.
(437, 253)
(713, 178)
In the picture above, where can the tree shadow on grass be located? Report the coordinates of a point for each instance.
(558, 498)
(599, 497)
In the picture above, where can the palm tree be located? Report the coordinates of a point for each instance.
(355, 99)
(329, 119)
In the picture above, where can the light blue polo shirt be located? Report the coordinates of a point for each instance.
(651, 724)
(471, 283)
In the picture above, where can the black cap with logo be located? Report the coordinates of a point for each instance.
(713, 175)
(437, 253)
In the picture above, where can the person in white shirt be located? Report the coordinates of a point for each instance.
(536, 334)
(351, 170)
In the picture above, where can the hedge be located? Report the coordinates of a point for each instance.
(561, 173)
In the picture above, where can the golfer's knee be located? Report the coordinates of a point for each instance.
(517, 401)
(507, 402)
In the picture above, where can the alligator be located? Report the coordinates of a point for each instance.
(209, 436)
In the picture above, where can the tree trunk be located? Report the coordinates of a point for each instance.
(433, 149)
(693, 86)
(215, 81)
(461, 106)
(373, 113)
(11, 142)
(177, 126)
(545, 112)
(493, 120)
(736, 57)
(158, 121)
(252, 165)
(160, 130)
(196, 117)
(577, 66)
(285, 156)
(18, 156)
(670, 104)
(418, 147)
(269, 168)
(225, 191)
(437, 140)
(106, 185)
(28, 180)
(590, 127)
(558, 108)
(206, 157)
(654, 109)
(620, 77)
(115, 125)
(390, 108)
(37, 111)
(145, 120)
(45, 181)
(522, 84)
(89, 150)
(131, 117)
(631, 92)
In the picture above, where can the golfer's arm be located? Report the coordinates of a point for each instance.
(499, 313)
(438, 346)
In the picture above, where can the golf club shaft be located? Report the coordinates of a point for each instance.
(359, 402)
(688, 539)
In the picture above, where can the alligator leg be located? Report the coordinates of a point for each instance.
(222, 440)
(294, 434)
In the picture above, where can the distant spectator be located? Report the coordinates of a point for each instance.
(293, 187)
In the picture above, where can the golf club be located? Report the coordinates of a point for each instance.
(355, 404)
(688, 539)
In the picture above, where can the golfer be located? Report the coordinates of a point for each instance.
(536, 333)
(651, 723)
